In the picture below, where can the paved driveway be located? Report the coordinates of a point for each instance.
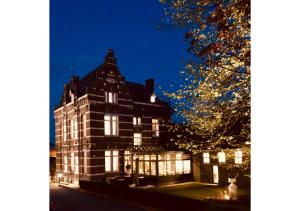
(66, 199)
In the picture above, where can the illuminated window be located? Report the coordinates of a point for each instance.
(186, 166)
(72, 161)
(152, 98)
(137, 121)
(179, 166)
(115, 100)
(111, 97)
(162, 168)
(74, 128)
(107, 161)
(84, 125)
(127, 161)
(65, 164)
(206, 157)
(111, 125)
(155, 127)
(238, 157)
(115, 160)
(111, 160)
(64, 130)
(85, 161)
(221, 156)
(153, 168)
(76, 165)
(137, 139)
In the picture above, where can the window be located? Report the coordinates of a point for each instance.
(186, 166)
(238, 157)
(64, 130)
(221, 156)
(111, 97)
(84, 125)
(107, 161)
(65, 164)
(179, 166)
(74, 128)
(111, 125)
(111, 161)
(72, 161)
(137, 139)
(137, 121)
(152, 98)
(115, 98)
(206, 157)
(127, 161)
(155, 127)
(76, 165)
(85, 161)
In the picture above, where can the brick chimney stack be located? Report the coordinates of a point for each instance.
(150, 85)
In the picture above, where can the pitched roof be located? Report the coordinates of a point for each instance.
(138, 91)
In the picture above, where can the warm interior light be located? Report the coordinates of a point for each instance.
(152, 98)
(221, 156)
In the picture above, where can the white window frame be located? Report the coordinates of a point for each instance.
(111, 97)
(238, 157)
(72, 161)
(111, 160)
(74, 128)
(206, 158)
(85, 161)
(222, 157)
(76, 164)
(155, 127)
(111, 125)
(137, 121)
(137, 139)
(153, 98)
(65, 164)
(64, 130)
(84, 125)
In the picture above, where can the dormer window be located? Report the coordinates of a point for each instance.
(152, 98)
(72, 96)
(111, 97)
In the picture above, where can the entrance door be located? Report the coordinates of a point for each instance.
(215, 174)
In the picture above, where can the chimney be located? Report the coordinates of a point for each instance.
(150, 85)
(110, 57)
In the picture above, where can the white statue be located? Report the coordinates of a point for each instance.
(232, 189)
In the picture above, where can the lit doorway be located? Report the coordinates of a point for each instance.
(215, 174)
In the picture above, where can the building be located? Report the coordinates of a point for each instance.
(52, 161)
(216, 167)
(106, 126)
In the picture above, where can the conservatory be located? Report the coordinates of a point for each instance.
(157, 165)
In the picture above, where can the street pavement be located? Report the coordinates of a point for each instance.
(66, 199)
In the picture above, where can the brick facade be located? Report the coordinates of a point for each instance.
(85, 99)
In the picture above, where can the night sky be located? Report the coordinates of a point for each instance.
(82, 31)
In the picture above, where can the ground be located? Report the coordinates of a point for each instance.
(198, 191)
(66, 199)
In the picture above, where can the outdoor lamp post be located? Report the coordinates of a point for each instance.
(59, 177)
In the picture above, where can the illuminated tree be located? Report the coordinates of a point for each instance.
(214, 98)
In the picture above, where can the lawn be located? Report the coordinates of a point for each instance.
(198, 191)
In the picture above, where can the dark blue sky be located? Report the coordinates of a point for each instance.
(82, 31)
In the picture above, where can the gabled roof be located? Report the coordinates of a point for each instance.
(137, 91)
